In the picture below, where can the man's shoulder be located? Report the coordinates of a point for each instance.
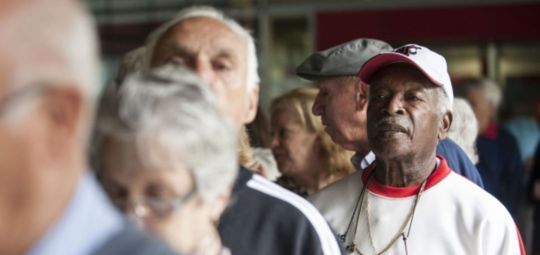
(335, 202)
(258, 193)
(346, 186)
(133, 241)
(263, 209)
(473, 198)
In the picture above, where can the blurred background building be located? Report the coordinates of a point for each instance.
(499, 39)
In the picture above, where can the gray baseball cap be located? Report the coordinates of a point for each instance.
(341, 60)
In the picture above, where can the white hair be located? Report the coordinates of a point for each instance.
(444, 104)
(172, 118)
(209, 12)
(492, 92)
(52, 44)
(464, 128)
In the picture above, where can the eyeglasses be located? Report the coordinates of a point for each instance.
(158, 207)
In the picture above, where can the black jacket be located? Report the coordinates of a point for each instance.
(266, 219)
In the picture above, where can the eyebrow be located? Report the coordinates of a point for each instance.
(221, 53)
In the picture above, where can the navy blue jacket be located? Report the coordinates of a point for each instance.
(459, 161)
(500, 166)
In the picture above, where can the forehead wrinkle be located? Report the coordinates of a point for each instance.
(213, 49)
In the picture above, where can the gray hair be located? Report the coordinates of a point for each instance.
(492, 91)
(169, 108)
(444, 104)
(209, 12)
(464, 128)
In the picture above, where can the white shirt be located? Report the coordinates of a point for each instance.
(453, 216)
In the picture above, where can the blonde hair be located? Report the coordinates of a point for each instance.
(301, 100)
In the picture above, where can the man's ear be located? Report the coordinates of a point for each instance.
(63, 107)
(253, 103)
(361, 93)
(446, 122)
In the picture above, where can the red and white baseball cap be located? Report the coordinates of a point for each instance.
(430, 63)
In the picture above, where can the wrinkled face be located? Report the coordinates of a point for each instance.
(294, 147)
(483, 110)
(403, 121)
(18, 144)
(341, 112)
(138, 190)
(217, 55)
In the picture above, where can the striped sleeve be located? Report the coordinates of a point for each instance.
(328, 241)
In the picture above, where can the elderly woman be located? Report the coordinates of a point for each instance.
(167, 157)
(464, 128)
(409, 201)
(305, 154)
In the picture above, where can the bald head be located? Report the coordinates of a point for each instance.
(218, 49)
(49, 41)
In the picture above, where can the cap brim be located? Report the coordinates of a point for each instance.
(376, 63)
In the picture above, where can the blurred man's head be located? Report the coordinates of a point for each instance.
(219, 50)
(48, 76)
(410, 103)
(342, 98)
(485, 97)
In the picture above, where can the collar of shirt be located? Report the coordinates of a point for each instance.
(361, 162)
(88, 221)
(492, 131)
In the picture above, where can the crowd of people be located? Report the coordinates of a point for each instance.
(379, 156)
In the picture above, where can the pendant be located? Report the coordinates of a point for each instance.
(350, 248)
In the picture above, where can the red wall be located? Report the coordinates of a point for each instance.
(470, 23)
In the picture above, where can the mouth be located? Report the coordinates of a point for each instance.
(388, 128)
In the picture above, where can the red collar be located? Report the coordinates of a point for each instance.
(491, 131)
(400, 192)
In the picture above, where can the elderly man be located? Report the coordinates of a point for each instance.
(499, 159)
(263, 218)
(409, 201)
(49, 204)
(342, 102)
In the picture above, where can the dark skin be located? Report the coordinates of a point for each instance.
(404, 124)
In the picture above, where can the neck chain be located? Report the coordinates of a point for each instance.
(401, 232)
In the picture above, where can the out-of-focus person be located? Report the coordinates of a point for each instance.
(306, 156)
(535, 195)
(499, 160)
(49, 203)
(155, 137)
(342, 102)
(409, 201)
(464, 128)
(262, 217)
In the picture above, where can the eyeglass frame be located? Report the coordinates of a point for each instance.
(141, 207)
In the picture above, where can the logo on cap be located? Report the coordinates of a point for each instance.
(408, 50)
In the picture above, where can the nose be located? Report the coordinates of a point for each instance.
(203, 68)
(317, 108)
(394, 105)
(274, 142)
